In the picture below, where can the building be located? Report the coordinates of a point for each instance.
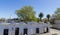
(22, 28)
(56, 24)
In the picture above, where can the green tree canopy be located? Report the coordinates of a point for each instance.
(48, 16)
(27, 13)
(57, 14)
(41, 15)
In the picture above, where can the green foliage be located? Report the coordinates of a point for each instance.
(57, 14)
(57, 11)
(27, 13)
(41, 15)
(37, 19)
(45, 20)
(2, 20)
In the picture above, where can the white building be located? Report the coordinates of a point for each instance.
(22, 28)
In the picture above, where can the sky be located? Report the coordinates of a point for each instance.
(9, 7)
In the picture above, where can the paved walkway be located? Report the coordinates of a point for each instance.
(52, 31)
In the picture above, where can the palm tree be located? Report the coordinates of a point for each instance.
(48, 16)
(41, 15)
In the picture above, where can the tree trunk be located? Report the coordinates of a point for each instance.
(48, 19)
(40, 18)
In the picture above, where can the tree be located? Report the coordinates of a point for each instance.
(27, 13)
(48, 16)
(38, 19)
(57, 14)
(41, 15)
(2, 20)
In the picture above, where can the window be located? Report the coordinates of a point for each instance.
(17, 31)
(25, 31)
(5, 32)
(37, 30)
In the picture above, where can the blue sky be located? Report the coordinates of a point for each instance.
(8, 7)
